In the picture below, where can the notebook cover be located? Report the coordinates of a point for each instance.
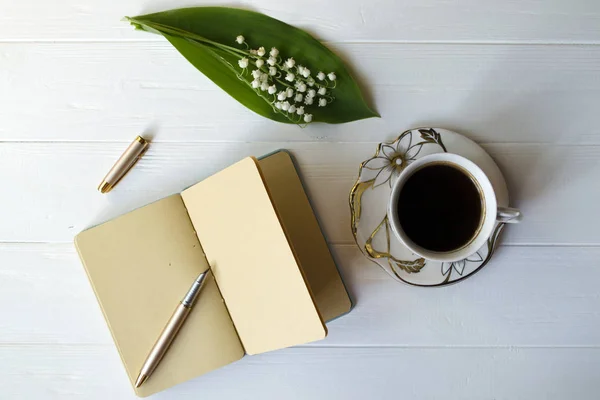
(304, 234)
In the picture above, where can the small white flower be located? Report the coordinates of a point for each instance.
(290, 77)
(311, 93)
(298, 98)
(292, 109)
(290, 62)
(308, 100)
(274, 52)
(289, 92)
(331, 76)
(302, 87)
(240, 39)
(278, 105)
(261, 51)
(260, 62)
(322, 102)
(300, 69)
(253, 52)
(243, 63)
(285, 106)
(264, 77)
(320, 76)
(281, 96)
(310, 81)
(272, 89)
(264, 86)
(307, 118)
(256, 74)
(300, 110)
(306, 73)
(272, 61)
(255, 84)
(272, 71)
(322, 91)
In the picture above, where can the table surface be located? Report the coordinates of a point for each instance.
(520, 77)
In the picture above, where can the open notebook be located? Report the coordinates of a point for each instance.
(273, 281)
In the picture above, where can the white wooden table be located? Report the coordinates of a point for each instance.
(520, 77)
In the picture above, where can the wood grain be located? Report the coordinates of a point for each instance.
(526, 297)
(112, 91)
(411, 20)
(53, 192)
(92, 372)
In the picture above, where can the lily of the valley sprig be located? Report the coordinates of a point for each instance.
(289, 87)
(287, 76)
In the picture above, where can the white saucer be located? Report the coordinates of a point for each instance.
(371, 192)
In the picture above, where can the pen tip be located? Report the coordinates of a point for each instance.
(201, 277)
(141, 379)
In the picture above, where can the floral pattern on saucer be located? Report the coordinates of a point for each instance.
(368, 205)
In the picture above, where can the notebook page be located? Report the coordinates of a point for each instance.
(140, 266)
(253, 263)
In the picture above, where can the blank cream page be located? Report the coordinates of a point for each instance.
(140, 266)
(253, 263)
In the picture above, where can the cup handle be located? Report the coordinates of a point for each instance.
(509, 215)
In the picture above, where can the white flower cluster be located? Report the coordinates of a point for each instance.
(288, 87)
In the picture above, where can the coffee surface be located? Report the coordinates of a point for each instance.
(440, 208)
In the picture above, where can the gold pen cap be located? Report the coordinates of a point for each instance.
(127, 160)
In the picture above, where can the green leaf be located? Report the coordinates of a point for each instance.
(209, 62)
(200, 34)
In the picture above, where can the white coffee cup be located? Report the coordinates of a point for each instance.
(491, 213)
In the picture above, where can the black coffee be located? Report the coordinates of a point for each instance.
(440, 208)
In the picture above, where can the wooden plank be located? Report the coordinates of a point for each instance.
(51, 187)
(527, 296)
(112, 91)
(92, 372)
(410, 20)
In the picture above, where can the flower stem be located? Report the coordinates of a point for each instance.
(238, 53)
(190, 35)
(284, 83)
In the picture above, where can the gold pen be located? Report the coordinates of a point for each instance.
(170, 330)
(129, 157)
